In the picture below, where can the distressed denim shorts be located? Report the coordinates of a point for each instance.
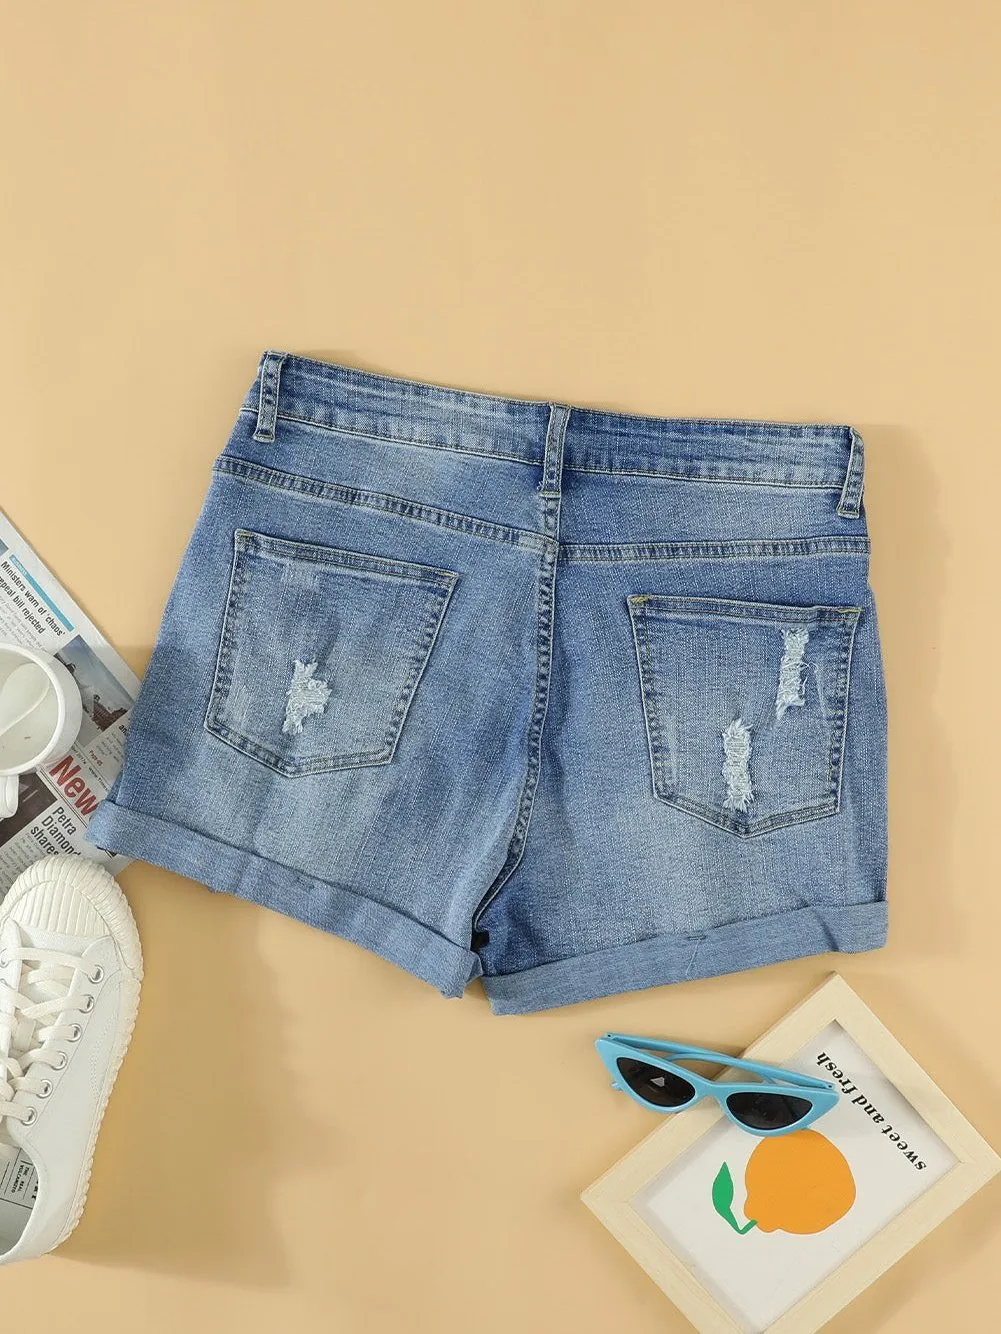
(576, 701)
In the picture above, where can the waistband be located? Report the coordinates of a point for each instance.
(409, 412)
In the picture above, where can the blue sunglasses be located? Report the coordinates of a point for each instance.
(778, 1102)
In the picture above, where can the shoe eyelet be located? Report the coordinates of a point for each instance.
(76, 1033)
(4, 961)
(88, 1004)
(31, 1117)
(64, 1061)
(45, 1088)
(97, 975)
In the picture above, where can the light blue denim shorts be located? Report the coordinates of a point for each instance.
(576, 701)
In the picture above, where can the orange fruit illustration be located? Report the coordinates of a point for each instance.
(798, 1183)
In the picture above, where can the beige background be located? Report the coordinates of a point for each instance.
(774, 209)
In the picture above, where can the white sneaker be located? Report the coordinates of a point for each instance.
(70, 968)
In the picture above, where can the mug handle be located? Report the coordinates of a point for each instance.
(8, 796)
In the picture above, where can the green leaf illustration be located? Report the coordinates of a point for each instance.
(723, 1200)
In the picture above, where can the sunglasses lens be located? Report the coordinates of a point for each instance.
(767, 1110)
(658, 1087)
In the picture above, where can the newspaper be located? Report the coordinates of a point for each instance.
(55, 803)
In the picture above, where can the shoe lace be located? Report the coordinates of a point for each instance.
(36, 1021)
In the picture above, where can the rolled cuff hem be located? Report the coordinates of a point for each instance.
(382, 930)
(734, 948)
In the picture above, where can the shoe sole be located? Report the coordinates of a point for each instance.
(109, 901)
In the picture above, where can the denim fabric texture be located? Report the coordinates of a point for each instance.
(576, 701)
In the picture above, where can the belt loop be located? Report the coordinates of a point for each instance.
(850, 504)
(552, 459)
(267, 404)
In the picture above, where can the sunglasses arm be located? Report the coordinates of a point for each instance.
(771, 1073)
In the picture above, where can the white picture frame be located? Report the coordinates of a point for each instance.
(667, 1202)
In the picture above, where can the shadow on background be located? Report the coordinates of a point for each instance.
(910, 551)
(204, 1123)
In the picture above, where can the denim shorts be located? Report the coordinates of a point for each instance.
(576, 701)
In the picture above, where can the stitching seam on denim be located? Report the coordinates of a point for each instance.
(401, 439)
(545, 619)
(771, 482)
(768, 825)
(651, 713)
(738, 550)
(685, 608)
(263, 545)
(222, 667)
(334, 492)
(540, 704)
(828, 432)
(262, 755)
(838, 739)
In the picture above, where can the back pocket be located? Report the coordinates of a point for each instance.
(745, 706)
(321, 653)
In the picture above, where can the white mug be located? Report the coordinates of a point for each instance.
(40, 714)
